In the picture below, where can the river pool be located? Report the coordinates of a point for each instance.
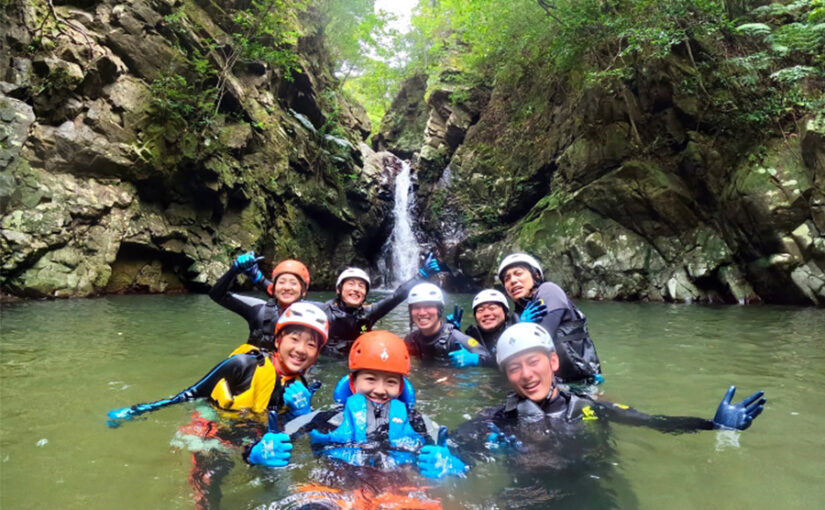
(63, 364)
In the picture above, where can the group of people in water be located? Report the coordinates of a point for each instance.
(541, 345)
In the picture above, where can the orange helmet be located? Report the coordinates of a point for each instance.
(291, 266)
(379, 350)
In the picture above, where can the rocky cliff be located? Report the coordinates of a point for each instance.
(145, 143)
(645, 191)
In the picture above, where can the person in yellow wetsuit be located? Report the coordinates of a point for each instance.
(244, 387)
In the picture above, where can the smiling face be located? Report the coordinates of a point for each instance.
(489, 316)
(288, 289)
(353, 292)
(518, 282)
(530, 374)
(298, 348)
(377, 385)
(426, 318)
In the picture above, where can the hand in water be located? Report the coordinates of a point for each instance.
(436, 461)
(431, 266)
(464, 358)
(273, 450)
(533, 312)
(455, 317)
(738, 416)
(498, 440)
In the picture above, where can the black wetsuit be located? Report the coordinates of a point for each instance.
(568, 327)
(346, 324)
(238, 371)
(565, 458)
(490, 338)
(260, 315)
(447, 339)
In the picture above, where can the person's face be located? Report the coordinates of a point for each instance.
(489, 316)
(530, 374)
(425, 317)
(353, 292)
(297, 350)
(518, 282)
(288, 289)
(377, 385)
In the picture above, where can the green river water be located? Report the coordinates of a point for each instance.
(63, 364)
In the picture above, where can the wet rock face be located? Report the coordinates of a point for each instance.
(625, 197)
(105, 187)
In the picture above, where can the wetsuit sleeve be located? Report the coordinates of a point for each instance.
(557, 305)
(619, 413)
(263, 285)
(383, 307)
(412, 346)
(244, 306)
(237, 370)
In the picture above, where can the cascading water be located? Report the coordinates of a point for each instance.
(399, 255)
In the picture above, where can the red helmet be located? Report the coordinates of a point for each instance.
(379, 350)
(290, 266)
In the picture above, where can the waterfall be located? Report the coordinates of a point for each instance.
(399, 256)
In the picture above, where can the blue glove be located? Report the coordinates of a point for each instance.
(353, 428)
(738, 416)
(273, 450)
(497, 440)
(248, 263)
(533, 312)
(118, 416)
(352, 455)
(597, 379)
(463, 358)
(455, 317)
(431, 266)
(438, 462)
(298, 398)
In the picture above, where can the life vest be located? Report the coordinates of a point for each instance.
(255, 398)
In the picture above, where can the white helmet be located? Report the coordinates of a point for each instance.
(426, 293)
(521, 337)
(304, 314)
(353, 272)
(490, 296)
(519, 258)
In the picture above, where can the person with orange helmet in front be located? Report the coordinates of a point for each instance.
(378, 425)
(290, 283)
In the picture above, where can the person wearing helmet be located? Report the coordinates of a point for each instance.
(378, 425)
(243, 387)
(524, 283)
(492, 315)
(254, 380)
(554, 435)
(349, 316)
(433, 338)
(290, 283)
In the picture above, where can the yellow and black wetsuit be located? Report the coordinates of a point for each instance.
(246, 381)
